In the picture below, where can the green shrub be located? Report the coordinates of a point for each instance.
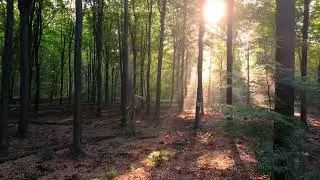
(260, 126)
(157, 157)
(178, 145)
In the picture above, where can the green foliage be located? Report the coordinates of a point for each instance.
(178, 145)
(157, 157)
(260, 127)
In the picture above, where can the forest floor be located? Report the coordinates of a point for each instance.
(172, 150)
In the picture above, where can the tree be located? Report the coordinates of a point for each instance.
(36, 45)
(229, 52)
(77, 121)
(199, 103)
(69, 61)
(183, 59)
(150, 5)
(25, 10)
(99, 35)
(63, 42)
(174, 39)
(125, 65)
(284, 72)
(162, 8)
(304, 58)
(6, 76)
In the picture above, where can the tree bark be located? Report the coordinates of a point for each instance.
(150, 6)
(143, 56)
(304, 59)
(107, 64)
(77, 121)
(199, 103)
(162, 7)
(125, 65)
(284, 74)
(248, 75)
(62, 54)
(173, 65)
(24, 8)
(69, 62)
(6, 77)
(38, 36)
(183, 52)
(229, 52)
(99, 37)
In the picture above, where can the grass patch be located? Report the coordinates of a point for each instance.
(110, 173)
(157, 157)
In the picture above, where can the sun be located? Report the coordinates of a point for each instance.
(214, 11)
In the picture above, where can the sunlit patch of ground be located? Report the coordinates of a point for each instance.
(314, 122)
(220, 160)
(210, 153)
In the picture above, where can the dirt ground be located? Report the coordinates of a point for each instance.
(109, 154)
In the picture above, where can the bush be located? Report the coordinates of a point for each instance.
(261, 126)
(157, 157)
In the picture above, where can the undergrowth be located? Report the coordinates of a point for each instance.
(157, 157)
(257, 125)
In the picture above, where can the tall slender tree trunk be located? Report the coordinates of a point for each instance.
(304, 59)
(106, 85)
(162, 7)
(38, 36)
(143, 56)
(199, 103)
(284, 74)
(89, 75)
(112, 84)
(107, 64)
(178, 62)
(229, 52)
(6, 77)
(69, 62)
(125, 65)
(134, 83)
(209, 87)
(93, 73)
(77, 121)
(99, 37)
(150, 6)
(183, 52)
(30, 47)
(62, 54)
(24, 8)
(173, 65)
(248, 75)
(319, 72)
(186, 74)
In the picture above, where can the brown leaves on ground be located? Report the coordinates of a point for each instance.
(206, 154)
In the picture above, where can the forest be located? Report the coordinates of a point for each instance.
(160, 89)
